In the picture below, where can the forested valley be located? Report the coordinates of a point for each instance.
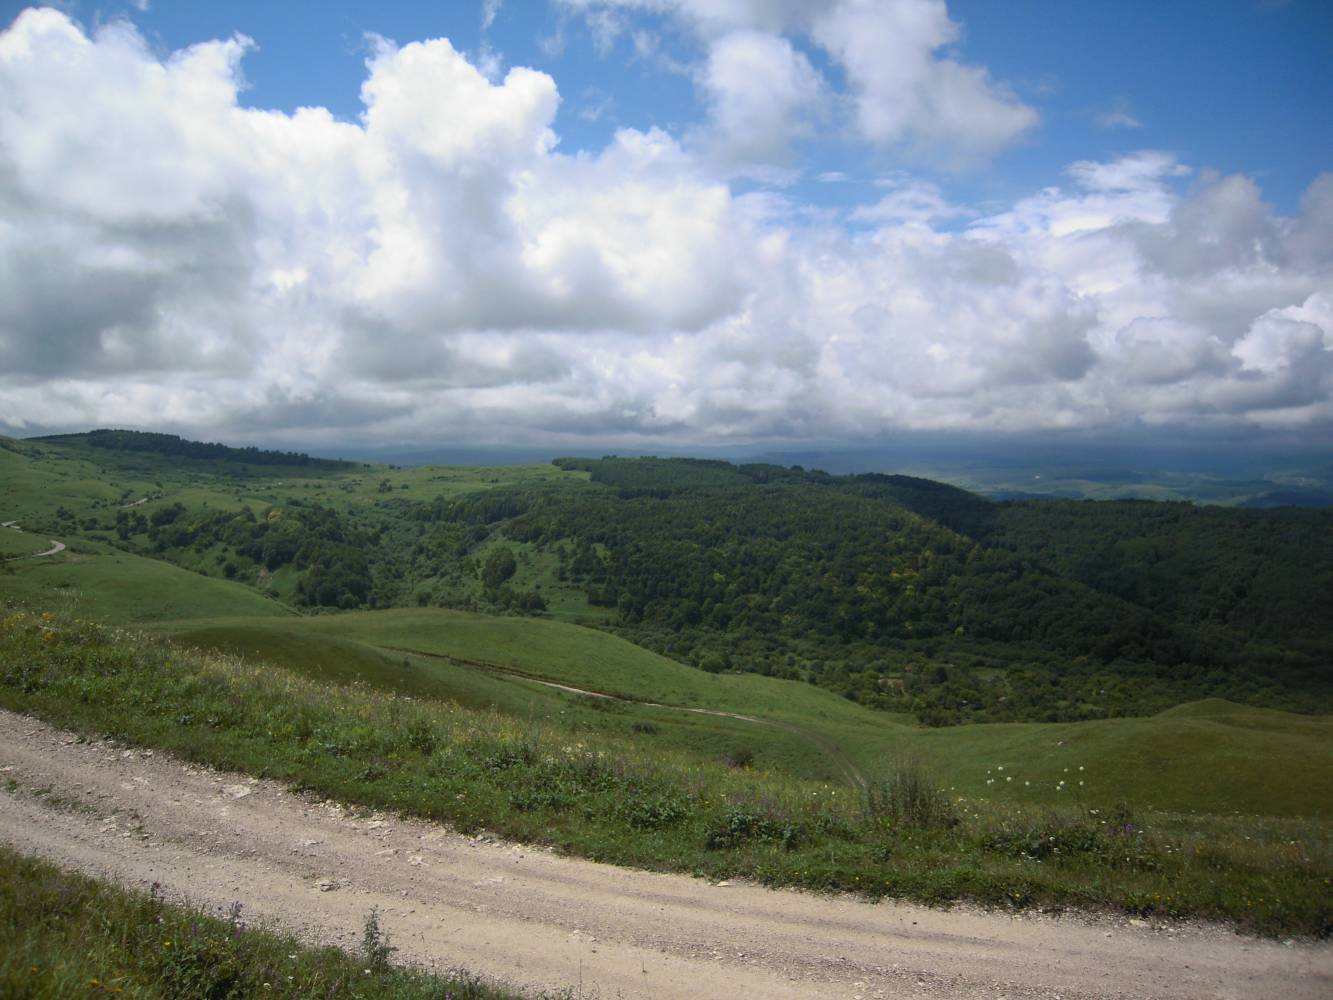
(899, 593)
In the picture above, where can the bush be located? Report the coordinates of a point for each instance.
(740, 758)
(651, 812)
(740, 824)
(713, 663)
(421, 737)
(1111, 837)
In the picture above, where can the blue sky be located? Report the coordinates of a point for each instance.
(1236, 85)
(670, 221)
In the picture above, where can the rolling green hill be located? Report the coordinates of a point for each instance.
(102, 583)
(1209, 756)
(488, 662)
(894, 592)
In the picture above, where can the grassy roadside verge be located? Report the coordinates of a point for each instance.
(67, 935)
(620, 802)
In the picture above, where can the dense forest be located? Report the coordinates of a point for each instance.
(316, 541)
(912, 595)
(171, 446)
(897, 592)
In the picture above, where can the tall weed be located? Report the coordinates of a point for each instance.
(908, 796)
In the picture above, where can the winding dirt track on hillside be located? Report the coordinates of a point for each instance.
(55, 546)
(850, 772)
(538, 921)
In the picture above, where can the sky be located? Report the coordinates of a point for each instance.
(668, 224)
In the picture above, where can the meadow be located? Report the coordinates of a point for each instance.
(618, 798)
(1154, 762)
(20, 543)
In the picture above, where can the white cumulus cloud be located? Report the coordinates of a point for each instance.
(439, 268)
(762, 93)
(906, 89)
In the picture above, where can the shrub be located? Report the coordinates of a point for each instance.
(421, 737)
(741, 757)
(1111, 837)
(651, 812)
(740, 824)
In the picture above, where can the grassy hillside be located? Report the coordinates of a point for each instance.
(857, 584)
(16, 544)
(804, 626)
(896, 593)
(488, 662)
(1208, 757)
(620, 798)
(98, 582)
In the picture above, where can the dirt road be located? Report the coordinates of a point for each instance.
(538, 921)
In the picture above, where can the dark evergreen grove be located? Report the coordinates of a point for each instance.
(173, 446)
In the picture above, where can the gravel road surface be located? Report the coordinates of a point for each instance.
(537, 921)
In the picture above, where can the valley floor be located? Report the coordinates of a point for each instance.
(539, 921)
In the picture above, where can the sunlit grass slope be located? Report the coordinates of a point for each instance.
(101, 583)
(32, 486)
(584, 658)
(325, 648)
(81, 474)
(1210, 757)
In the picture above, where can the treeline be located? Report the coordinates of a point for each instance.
(817, 562)
(952, 507)
(172, 446)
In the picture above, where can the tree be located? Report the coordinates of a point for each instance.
(500, 565)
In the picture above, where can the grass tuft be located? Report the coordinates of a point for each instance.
(909, 796)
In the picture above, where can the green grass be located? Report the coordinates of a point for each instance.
(35, 481)
(1251, 780)
(1205, 757)
(97, 581)
(621, 800)
(580, 657)
(70, 936)
(39, 480)
(1209, 757)
(37, 476)
(811, 732)
(20, 543)
(298, 646)
(537, 572)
